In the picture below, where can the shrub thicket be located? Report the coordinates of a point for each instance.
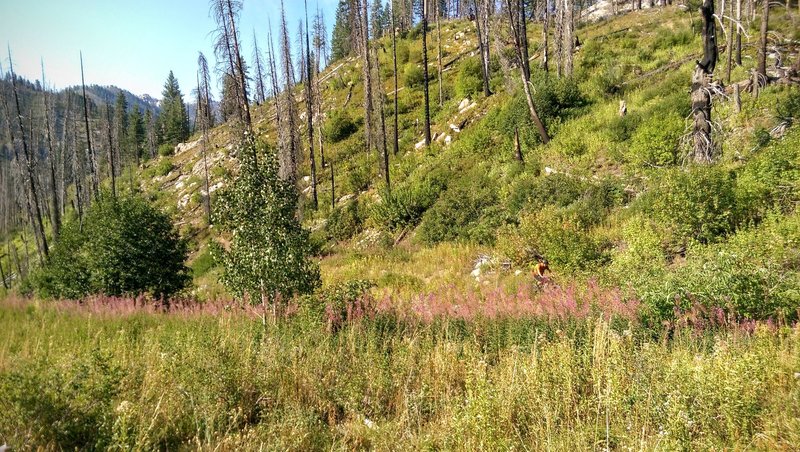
(123, 247)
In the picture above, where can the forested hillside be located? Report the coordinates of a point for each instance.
(446, 224)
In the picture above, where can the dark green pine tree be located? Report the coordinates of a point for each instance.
(341, 41)
(174, 119)
(136, 133)
(121, 128)
(229, 103)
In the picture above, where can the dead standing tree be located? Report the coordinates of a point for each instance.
(427, 127)
(32, 198)
(92, 158)
(204, 115)
(310, 114)
(703, 146)
(51, 150)
(482, 29)
(532, 109)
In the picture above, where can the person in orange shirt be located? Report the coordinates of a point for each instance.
(539, 270)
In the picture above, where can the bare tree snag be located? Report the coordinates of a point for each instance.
(701, 81)
(762, 45)
(310, 115)
(482, 44)
(737, 98)
(56, 212)
(427, 128)
(394, 61)
(34, 207)
(92, 158)
(534, 116)
(436, 12)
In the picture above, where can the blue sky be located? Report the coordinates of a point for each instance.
(130, 44)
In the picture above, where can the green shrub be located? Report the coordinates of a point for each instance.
(402, 53)
(202, 263)
(166, 150)
(752, 276)
(412, 75)
(358, 179)
(770, 180)
(125, 247)
(554, 234)
(163, 167)
(339, 126)
(655, 143)
(344, 222)
(699, 203)
(469, 80)
(463, 212)
(788, 108)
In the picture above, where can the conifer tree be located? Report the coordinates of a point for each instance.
(175, 120)
(341, 41)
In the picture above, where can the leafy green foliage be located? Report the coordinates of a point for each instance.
(339, 126)
(268, 258)
(469, 80)
(699, 203)
(344, 222)
(655, 143)
(465, 211)
(126, 247)
(412, 75)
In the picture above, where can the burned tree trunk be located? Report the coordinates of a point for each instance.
(310, 116)
(523, 25)
(701, 81)
(762, 45)
(739, 32)
(394, 62)
(112, 170)
(436, 12)
(534, 116)
(34, 207)
(482, 44)
(427, 128)
(56, 212)
(363, 25)
(545, 34)
(92, 159)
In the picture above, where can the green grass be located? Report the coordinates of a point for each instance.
(154, 381)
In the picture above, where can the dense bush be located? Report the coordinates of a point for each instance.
(469, 80)
(339, 126)
(412, 75)
(655, 143)
(770, 181)
(344, 222)
(166, 150)
(465, 211)
(699, 203)
(554, 234)
(753, 275)
(124, 247)
(163, 167)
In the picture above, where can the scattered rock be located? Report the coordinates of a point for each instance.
(455, 128)
(345, 198)
(183, 147)
(548, 171)
(447, 140)
(419, 145)
(464, 103)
